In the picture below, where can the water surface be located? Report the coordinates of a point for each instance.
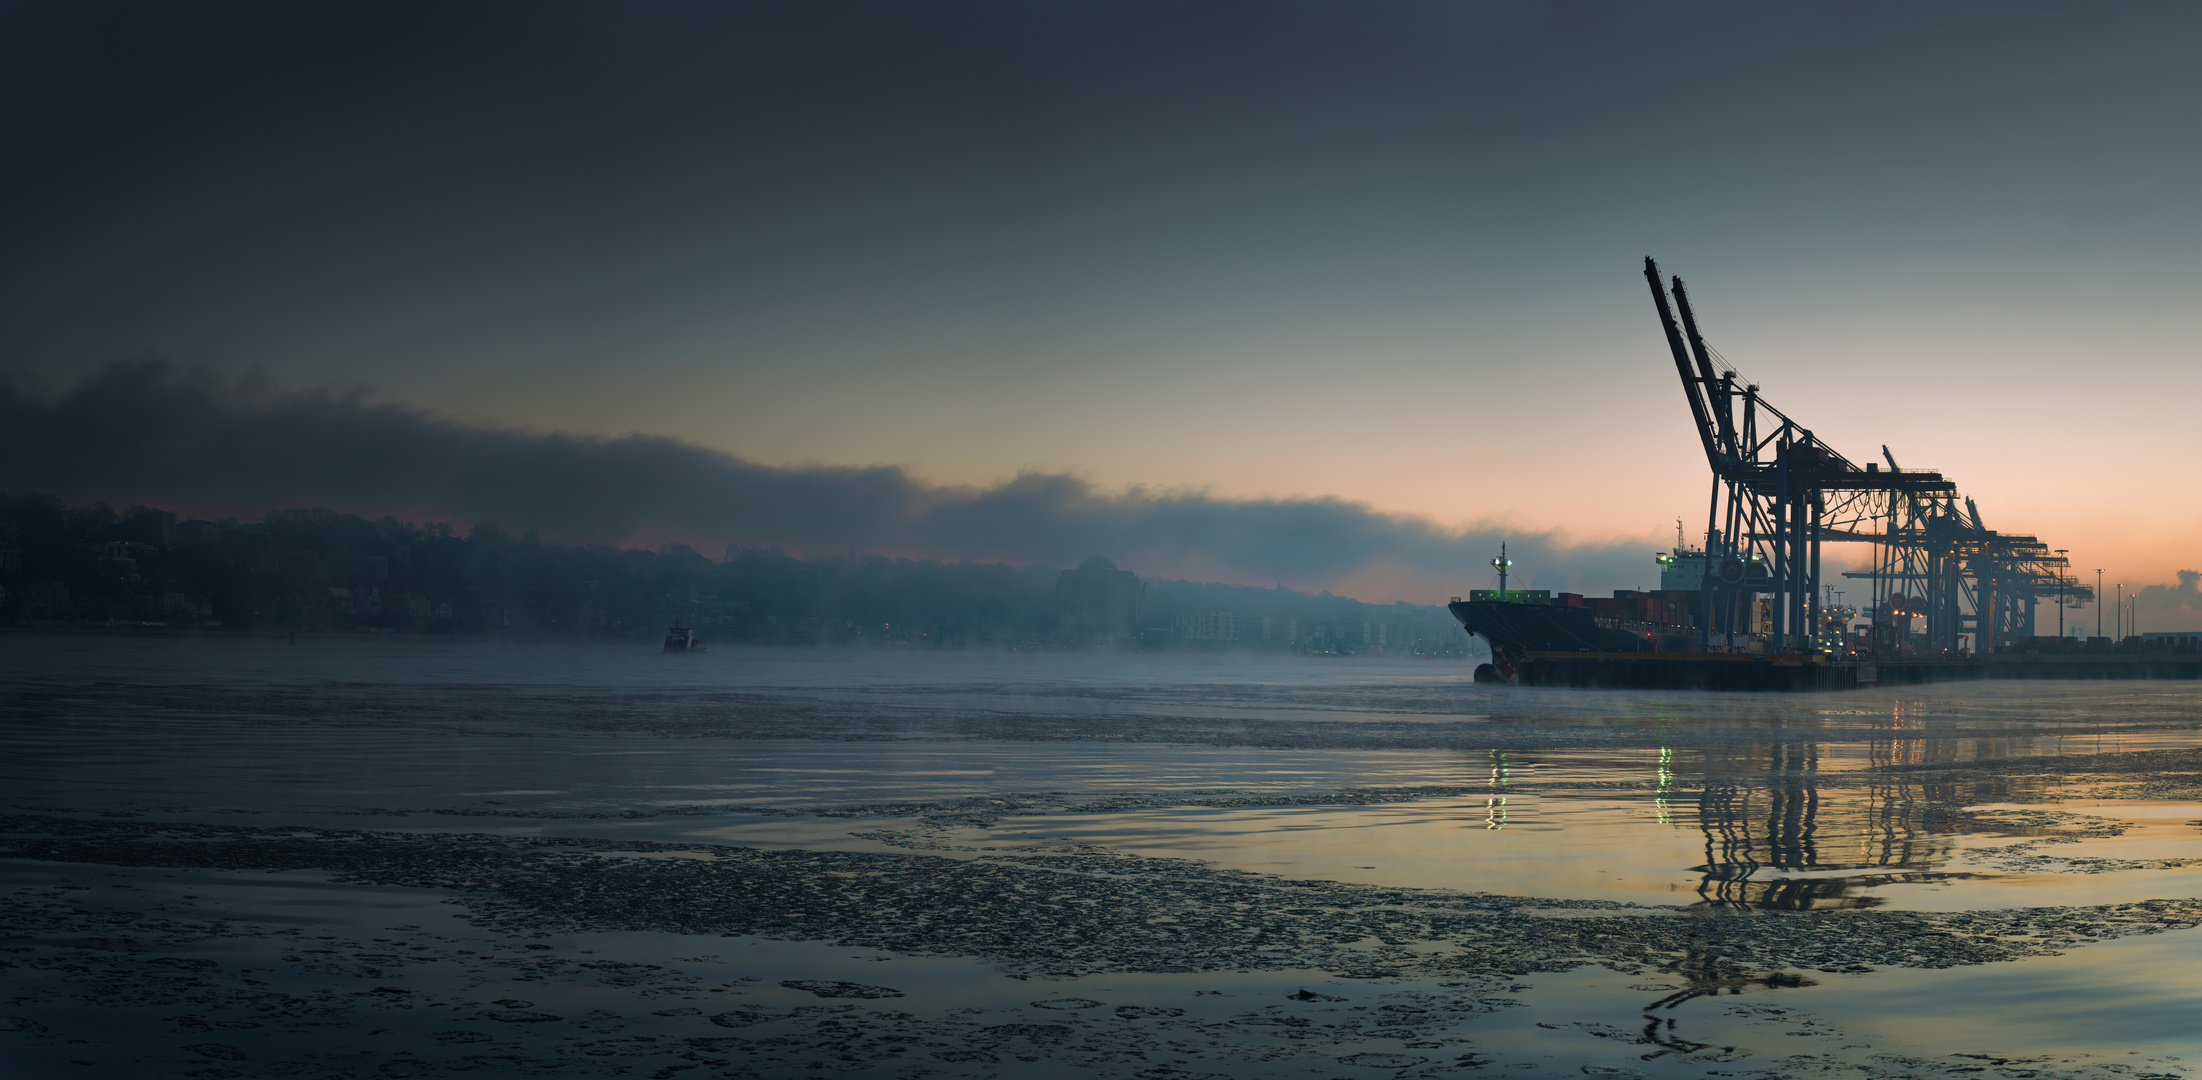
(1802, 838)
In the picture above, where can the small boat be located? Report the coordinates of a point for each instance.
(680, 639)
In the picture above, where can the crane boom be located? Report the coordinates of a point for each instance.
(1691, 387)
(1722, 411)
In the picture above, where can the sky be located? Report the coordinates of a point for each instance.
(1248, 257)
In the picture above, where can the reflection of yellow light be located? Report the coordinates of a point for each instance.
(1494, 816)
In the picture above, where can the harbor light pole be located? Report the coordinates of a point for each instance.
(2098, 601)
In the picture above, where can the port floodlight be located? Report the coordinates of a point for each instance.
(1503, 565)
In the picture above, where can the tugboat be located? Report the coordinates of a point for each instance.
(680, 639)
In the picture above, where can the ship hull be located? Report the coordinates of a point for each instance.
(1513, 631)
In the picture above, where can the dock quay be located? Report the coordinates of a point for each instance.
(1776, 672)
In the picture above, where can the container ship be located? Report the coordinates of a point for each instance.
(1519, 623)
(1644, 638)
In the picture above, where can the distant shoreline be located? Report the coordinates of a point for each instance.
(530, 637)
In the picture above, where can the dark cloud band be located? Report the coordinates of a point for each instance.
(155, 433)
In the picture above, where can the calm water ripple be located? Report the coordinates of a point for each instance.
(1987, 879)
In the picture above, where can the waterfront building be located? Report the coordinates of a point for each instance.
(1096, 604)
(1205, 626)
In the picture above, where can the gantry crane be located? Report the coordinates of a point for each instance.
(1941, 563)
(1778, 492)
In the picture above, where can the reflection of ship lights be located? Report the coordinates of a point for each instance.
(1494, 808)
(1664, 783)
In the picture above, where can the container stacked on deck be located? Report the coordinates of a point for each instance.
(1631, 606)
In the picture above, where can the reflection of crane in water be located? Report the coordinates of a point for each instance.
(1733, 855)
(1764, 815)
(1909, 805)
(1707, 980)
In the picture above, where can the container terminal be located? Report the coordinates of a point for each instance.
(1946, 597)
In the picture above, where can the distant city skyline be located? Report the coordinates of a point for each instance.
(1273, 254)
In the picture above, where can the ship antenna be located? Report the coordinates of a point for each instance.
(1503, 564)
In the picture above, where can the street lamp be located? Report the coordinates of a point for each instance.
(2098, 601)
